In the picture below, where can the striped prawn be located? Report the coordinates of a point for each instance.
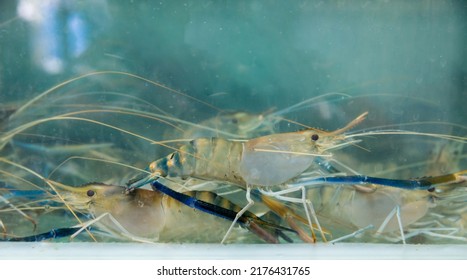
(142, 215)
(265, 161)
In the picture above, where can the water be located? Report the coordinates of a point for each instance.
(268, 54)
(403, 62)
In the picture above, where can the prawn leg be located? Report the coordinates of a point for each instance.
(240, 213)
(353, 234)
(397, 212)
(247, 219)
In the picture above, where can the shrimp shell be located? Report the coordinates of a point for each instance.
(264, 161)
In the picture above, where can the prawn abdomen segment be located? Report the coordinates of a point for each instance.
(204, 158)
(268, 161)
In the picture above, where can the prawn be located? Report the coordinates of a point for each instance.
(386, 209)
(262, 162)
(241, 124)
(401, 205)
(145, 215)
(246, 125)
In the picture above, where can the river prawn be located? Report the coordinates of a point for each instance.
(247, 125)
(149, 216)
(242, 124)
(260, 162)
(384, 209)
(265, 161)
(405, 207)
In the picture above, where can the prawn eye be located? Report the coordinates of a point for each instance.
(90, 193)
(315, 137)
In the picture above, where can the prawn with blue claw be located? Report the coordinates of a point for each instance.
(286, 160)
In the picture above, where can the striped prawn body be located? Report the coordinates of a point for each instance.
(264, 161)
(204, 158)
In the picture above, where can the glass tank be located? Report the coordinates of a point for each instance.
(235, 122)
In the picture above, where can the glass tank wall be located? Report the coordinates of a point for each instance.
(94, 91)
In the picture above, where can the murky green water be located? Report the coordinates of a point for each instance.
(152, 71)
